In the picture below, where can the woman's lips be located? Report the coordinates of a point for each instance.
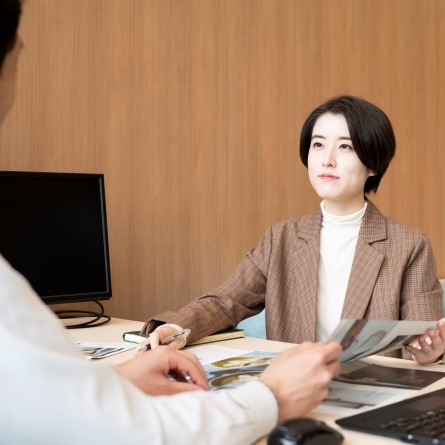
(327, 177)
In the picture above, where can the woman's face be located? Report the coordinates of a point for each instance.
(335, 171)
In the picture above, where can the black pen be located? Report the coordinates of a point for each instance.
(166, 340)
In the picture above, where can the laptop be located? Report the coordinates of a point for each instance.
(419, 420)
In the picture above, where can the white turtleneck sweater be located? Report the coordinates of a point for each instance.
(338, 239)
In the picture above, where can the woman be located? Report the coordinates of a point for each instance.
(346, 260)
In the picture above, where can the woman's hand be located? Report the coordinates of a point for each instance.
(429, 347)
(155, 337)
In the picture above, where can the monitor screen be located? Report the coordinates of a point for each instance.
(53, 230)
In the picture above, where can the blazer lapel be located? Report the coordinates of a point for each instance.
(306, 259)
(366, 265)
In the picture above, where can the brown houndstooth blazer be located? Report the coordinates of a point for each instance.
(393, 277)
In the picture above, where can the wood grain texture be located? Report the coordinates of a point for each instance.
(192, 110)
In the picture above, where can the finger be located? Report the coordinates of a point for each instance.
(441, 328)
(428, 352)
(174, 387)
(414, 344)
(334, 367)
(142, 347)
(332, 351)
(153, 339)
(192, 357)
(177, 344)
(412, 349)
(189, 364)
(436, 340)
(435, 348)
(424, 344)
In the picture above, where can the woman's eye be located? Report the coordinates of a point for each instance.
(346, 147)
(317, 144)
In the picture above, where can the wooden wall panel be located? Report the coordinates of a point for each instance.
(192, 110)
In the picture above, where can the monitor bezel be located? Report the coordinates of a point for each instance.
(106, 294)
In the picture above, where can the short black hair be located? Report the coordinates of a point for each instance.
(10, 11)
(370, 129)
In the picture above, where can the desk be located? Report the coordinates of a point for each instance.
(112, 332)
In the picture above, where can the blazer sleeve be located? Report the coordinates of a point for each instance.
(421, 294)
(240, 297)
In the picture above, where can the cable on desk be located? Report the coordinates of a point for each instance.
(72, 314)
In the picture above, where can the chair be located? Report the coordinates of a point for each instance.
(254, 326)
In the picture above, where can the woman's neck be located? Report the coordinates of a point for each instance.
(342, 208)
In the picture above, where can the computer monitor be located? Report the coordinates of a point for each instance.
(53, 230)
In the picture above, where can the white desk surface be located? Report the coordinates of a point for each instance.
(112, 332)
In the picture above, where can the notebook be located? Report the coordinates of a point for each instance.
(419, 420)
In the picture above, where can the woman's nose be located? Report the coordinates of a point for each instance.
(329, 159)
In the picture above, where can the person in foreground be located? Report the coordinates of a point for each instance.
(346, 260)
(51, 395)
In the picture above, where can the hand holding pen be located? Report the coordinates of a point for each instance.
(168, 338)
(164, 371)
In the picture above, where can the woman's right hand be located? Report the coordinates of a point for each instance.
(159, 333)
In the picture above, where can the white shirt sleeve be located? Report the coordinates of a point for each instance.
(51, 395)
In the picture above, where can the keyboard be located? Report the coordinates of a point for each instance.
(418, 420)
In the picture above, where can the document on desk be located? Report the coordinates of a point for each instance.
(234, 371)
(366, 383)
(227, 368)
(211, 353)
(94, 350)
(347, 398)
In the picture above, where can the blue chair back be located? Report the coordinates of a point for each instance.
(254, 326)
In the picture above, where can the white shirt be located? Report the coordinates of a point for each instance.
(51, 395)
(338, 240)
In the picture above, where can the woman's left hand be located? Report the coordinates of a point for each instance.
(430, 346)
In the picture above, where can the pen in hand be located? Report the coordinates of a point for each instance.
(166, 340)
